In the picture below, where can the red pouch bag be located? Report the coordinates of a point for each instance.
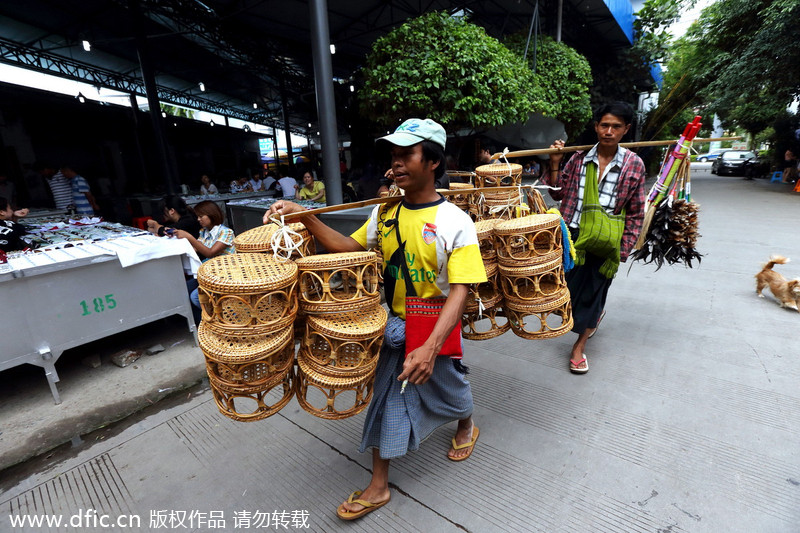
(421, 317)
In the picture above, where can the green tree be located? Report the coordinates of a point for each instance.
(758, 57)
(564, 75)
(448, 69)
(740, 61)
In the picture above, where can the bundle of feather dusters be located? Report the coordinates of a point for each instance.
(672, 235)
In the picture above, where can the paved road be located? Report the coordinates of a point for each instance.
(687, 422)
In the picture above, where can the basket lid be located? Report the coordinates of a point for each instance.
(556, 301)
(259, 238)
(337, 260)
(332, 381)
(241, 348)
(456, 186)
(527, 224)
(237, 273)
(356, 325)
(485, 227)
(499, 170)
(531, 269)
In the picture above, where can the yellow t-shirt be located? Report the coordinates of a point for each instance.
(440, 243)
(318, 186)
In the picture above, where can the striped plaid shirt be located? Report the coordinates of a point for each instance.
(607, 182)
(628, 192)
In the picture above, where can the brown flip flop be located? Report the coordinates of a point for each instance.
(344, 514)
(470, 445)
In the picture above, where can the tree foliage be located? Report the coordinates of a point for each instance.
(653, 41)
(740, 60)
(758, 56)
(448, 69)
(565, 77)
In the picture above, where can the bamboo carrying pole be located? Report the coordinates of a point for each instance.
(387, 199)
(519, 153)
(640, 144)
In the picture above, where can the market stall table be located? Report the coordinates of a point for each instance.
(75, 290)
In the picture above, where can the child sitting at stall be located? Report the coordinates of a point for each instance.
(10, 231)
(215, 239)
(177, 215)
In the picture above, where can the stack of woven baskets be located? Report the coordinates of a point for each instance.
(462, 201)
(484, 317)
(292, 242)
(339, 295)
(536, 298)
(249, 302)
(496, 204)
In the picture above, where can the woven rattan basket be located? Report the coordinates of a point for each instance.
(485, 231)
(491, 323)
(526, 240)
(536, 202)
(252, 376)
(338, 283)
(346, 344)
(240, 347)
(461, 200)
(244, 406)
(259, 239)
(487, 293)
(498, 175)
(546, 320)
(249, 292)
(535, 283)
(332, 397)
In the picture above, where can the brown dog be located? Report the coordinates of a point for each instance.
(787, 292)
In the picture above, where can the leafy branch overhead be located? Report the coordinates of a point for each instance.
(565, 77)
(740, 60)
(450, 70)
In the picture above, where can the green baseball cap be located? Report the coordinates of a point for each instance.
(416, 130)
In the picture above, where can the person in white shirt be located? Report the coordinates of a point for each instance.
(256, 182)
(270, 183)
(287, 186)
(207, 187)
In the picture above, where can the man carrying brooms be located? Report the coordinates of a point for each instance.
(602, 201)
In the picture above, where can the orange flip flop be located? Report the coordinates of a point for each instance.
(470, 445)
(344, 514)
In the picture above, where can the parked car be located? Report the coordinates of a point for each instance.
(732, 162)
(710, 156)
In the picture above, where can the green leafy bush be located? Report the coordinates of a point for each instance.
(564, 75)
(450, 70)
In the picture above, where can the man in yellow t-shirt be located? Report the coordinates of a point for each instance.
(439, 247)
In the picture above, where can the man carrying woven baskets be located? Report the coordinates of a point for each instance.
(602, 201)
(431, 253)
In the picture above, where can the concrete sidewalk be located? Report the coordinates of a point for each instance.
(688, 421)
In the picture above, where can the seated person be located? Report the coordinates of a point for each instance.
(287, 186)
(177, 215)
(311, 190)
(256, 183)
(789, 167)
(215, 239)
(241, 185)
(207, 187)
(11, 232)
(270, 183)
